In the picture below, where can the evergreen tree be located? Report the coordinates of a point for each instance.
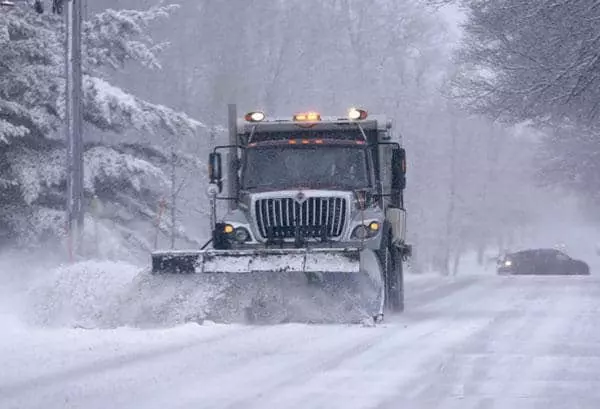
(127, 179)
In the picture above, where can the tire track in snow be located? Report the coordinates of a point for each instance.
(368, 378)
(447, 383)
(447, 299)
(571, 353)
(107, 365)
(306, 370)
(280, 376)
(175, 370)
(360, 379)
(377, 369)
(282, 370)
(502, 365)
(424, 295)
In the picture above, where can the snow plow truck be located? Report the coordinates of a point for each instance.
(315, 200)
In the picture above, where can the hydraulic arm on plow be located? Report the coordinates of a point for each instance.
(308, 195)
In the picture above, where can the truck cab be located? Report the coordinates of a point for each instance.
(312, 181)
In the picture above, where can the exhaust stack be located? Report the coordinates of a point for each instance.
(233, 160)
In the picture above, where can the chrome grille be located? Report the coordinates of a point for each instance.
(313, 218)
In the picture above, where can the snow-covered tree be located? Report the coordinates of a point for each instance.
(128, 180)
(527, 60)
(537, 62)
(570, 158)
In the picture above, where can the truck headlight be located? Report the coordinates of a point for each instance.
(365, 231)
(241, 234)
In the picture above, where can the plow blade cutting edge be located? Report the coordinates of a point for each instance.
(345, 260)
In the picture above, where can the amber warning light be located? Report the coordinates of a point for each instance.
(307, 117)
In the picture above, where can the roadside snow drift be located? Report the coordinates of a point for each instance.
(105, 294)
(83, 294)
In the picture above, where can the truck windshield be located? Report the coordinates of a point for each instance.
(333, 167)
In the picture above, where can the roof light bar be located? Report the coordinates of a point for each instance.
(307, 117)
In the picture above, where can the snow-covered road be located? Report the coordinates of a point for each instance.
(473, 342)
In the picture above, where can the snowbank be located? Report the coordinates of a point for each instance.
(108, 294)
(82, 294)
(38, 290)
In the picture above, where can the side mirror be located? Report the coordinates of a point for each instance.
(399, 169)
(215, 170)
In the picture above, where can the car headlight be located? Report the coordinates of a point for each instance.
(365, 231)
(507, 263)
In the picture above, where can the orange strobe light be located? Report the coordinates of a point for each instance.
(307, 116)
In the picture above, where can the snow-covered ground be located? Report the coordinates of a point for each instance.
(471, 341)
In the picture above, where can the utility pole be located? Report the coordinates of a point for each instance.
(173, 194)
(73, 115)
(74, 126)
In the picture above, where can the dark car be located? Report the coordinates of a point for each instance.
(541, 262)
